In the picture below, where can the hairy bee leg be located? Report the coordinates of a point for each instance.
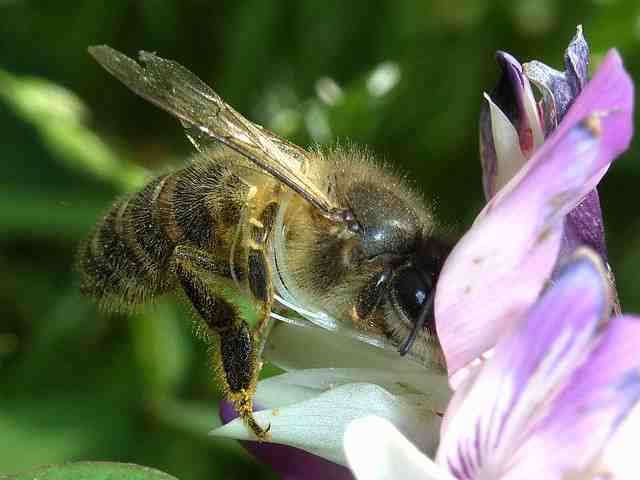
(259, 276)
(259, 270)
(368, 299)
(237, 363)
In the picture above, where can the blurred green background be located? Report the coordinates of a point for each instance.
(404, 77)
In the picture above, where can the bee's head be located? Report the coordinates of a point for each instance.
(384, 221)
(393, 235)
(412, 291)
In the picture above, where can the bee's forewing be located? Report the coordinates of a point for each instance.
(205, 115)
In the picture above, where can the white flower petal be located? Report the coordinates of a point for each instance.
(293, 347)
(317, 425)
(376, 450)
(509, 156)
(277, 392)
(533, 119)
(293, 387)
(620, 459)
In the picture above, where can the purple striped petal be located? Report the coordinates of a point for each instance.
(576, 62)
(498, 268)
(526, 368)
(560, 89)
(289, 462)
(556, 94)
(588, 411)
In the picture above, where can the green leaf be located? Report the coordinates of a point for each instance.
(93, 471)
(59, 116)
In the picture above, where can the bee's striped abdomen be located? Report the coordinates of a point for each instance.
(201, 207)
(147, 238)
(127, 260)
(186, 205)
(110, 269)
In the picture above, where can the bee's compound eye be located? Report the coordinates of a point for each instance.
(412, 290)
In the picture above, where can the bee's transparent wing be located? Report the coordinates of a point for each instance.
(202, 141)
(205, 115)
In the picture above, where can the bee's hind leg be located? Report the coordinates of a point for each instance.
(237, 359)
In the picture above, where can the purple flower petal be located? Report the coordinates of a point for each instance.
(610, 91)
(513, 96)
(498, 268)
(584, 227)
(588, 411)
(560, 89)
(526, 368)
(576, 62)
(488, 156)
(518, 103)
(291, 463)
(556, 93)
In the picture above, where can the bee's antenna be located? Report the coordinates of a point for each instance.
(426, 311)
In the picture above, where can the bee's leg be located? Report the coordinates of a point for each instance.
(368, 299)
(237, 360)
(259, 270)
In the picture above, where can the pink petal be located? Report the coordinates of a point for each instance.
(498, 268)
(526, 368)
(583, 225)
(610, 90)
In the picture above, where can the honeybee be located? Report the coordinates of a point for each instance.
(329, 236)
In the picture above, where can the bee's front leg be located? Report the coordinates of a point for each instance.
(237, 360)
(259, 269)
